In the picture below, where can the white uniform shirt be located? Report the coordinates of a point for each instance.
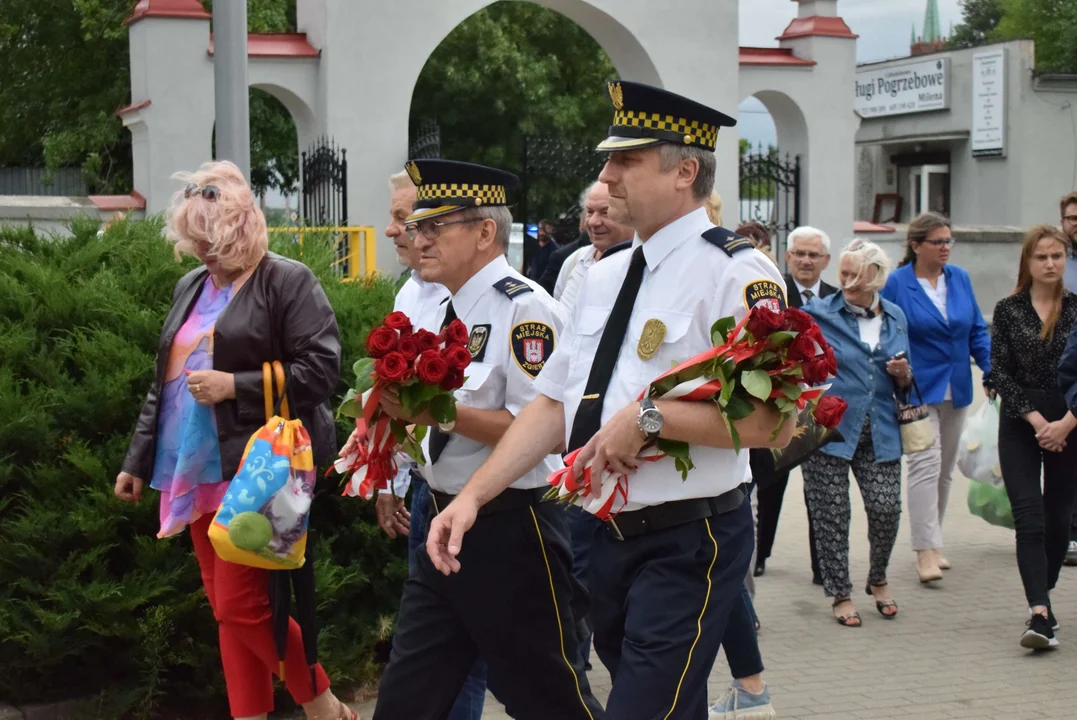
(688, 284)
(513, 333)
(584, 261)
(566, 270)
(420, 301)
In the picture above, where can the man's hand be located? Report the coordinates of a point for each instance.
(353, 443)
(446, 535)
(390, 403)
(615, 444)
(393, 517)
(210, 387)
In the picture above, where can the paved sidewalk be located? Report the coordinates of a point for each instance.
(951, 653)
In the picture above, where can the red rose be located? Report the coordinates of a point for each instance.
(802, 348)
(797, 320)
(456, 356)
(380, 342)
(829, 410)
(431, 367)
(456, 333)
(393, 368)
(427, 340)
(831, 361)
(398, 321)
(815, 370)
(409, 347)
(763, 322)
(454, 379)
(816, 334)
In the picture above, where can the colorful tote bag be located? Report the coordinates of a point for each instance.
(262, 521)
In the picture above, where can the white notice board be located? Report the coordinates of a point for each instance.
(989, 103)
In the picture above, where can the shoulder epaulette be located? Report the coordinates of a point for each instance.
(626, 245)
(512, 287)
(728, 242)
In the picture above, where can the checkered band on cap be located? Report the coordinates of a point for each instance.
(702, 133)
(479, 194)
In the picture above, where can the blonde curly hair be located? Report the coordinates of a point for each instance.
(231, 228)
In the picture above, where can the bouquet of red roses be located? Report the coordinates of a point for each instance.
(423, 369)
(779, 358)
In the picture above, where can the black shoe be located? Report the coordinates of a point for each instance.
(1052, 620)
(816, 578)
(760, 568)
(1039, 635)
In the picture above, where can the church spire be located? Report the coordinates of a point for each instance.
(932, 24)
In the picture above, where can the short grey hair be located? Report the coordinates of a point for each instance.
(807, 233)
(672, 154)
(867, 254)
(502, 218)
(587, 191)
(399, 181)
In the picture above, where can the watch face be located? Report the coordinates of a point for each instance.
(651, 421)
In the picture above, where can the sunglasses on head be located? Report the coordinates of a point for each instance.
(208, 192)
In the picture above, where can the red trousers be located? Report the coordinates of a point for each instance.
(239, 596)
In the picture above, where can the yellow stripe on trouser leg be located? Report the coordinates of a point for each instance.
(699, 620)
(557, 612)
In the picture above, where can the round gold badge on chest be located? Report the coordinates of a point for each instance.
(654, 332)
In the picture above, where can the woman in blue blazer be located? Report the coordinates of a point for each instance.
(945, 328)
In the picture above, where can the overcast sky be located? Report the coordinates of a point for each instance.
(884, 27)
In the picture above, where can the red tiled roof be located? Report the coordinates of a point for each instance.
(771, 56)
(863, 226)
(131, 108)
(169, 9)
(817, 25)
(112, 203)
(276, 45)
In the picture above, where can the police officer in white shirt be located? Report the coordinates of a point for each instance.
(605, 234)
(514, 604)
(664, 595)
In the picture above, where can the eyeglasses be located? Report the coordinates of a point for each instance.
(803, 255)
(1070, 218)
(208, 192)
(431, 229)
(939, 242)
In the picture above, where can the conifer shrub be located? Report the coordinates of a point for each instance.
(91, 603)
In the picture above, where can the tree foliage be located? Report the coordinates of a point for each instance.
(511, 70)
(65, 72)
(1051, 24)
(91, 603)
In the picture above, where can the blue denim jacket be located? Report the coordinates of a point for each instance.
(862, 380)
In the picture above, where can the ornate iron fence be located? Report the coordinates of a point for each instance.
(555, 171)
(427, 141)
(325, 184)
(770, 194)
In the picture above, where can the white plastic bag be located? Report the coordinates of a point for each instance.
(977, 453)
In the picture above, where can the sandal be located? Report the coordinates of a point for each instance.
(846, 620)
(882, 605)
(347, 713)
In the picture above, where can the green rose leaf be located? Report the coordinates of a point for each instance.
(757, 383)
(738, 408)
(364, 375)
(442, 408)
(791, 391)
(350, 409)
(679, 451)
(720, 329)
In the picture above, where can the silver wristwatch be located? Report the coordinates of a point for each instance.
(649, 420)
(447, 427)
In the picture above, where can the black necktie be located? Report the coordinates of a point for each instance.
(438, 439)
(589, 414)
(808, 295)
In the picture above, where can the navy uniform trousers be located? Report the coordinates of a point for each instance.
(511, 604)
(663, 603)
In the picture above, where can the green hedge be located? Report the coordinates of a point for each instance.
(91, 603)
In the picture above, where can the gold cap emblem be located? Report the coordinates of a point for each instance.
(688, 139)
(617, 96)
(413, 172)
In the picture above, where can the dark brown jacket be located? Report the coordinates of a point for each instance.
(280, 313)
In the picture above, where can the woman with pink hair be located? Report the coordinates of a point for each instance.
(243, 306)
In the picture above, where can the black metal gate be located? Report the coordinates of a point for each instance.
(426, 144)
(555, 172)
(770, 194)
(325, 184)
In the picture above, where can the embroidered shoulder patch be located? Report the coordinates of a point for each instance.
(532, 344)
(513, 287)
(476, 344)
(767, 293)
(728, 242)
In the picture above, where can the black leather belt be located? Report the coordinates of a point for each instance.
(671, 514)
(509, 499)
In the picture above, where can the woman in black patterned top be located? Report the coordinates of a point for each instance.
(1028, 336)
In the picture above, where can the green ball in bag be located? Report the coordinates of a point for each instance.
(250, 531)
